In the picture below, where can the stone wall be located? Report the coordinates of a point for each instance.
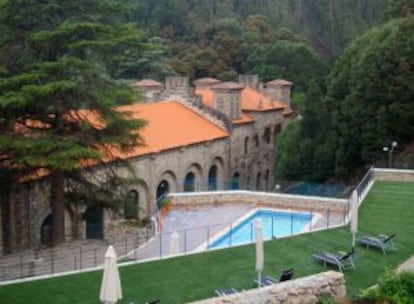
(307, 290)
(394, 175)
(261, 199)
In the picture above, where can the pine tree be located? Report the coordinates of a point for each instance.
(54, 78)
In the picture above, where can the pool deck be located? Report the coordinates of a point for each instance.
(197, 226)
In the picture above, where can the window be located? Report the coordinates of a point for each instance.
(131, 205)
(212, 178)
(256, 140)
(266, 135)
(189, 182)
(246, 145)
(235, 181)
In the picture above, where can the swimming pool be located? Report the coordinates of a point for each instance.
(275, 224)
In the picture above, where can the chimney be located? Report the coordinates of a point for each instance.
(279, 90)
(249, 80)
(151, 89)
(227, 99)
(177, 86)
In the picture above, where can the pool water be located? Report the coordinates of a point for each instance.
(275, 224)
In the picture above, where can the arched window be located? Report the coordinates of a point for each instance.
(212, 178)
(46, 230)
(266, 135)
(162, 190)
(131, 205)
(189, 182)
(235, 181)
(258, 181)
(256, 140)
(246, 145)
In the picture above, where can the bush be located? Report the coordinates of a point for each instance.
(393, 287)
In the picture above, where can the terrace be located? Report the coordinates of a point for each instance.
(387, 208)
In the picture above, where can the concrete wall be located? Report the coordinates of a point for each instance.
(261, 199)
(394, 175)
(307, 290)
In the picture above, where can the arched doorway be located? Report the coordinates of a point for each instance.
(94, 222)
(162, 190)
(235, 181)
(189, 182)
(212, 178)
(131, 210)
(46, 230)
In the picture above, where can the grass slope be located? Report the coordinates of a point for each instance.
(389, 207)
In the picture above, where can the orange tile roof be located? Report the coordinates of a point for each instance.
(279, 82)
(146, 83)
(206, 95)
(252, 100)
(170, 125)
(243, 119)
(205, 82)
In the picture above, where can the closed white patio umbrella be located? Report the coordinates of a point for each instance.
(174, 243)
(354, 216)
(259, 251)
(111, 290)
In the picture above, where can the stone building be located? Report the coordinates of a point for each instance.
(210, 136)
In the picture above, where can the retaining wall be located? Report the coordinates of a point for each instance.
(394, 175)
(307, 290)
(277, 200)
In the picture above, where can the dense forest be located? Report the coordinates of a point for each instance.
(215, 38)
(349, 59)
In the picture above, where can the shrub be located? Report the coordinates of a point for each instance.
(393, 287)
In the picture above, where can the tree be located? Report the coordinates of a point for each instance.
(56, 97)
(370, 94)
(295, 61)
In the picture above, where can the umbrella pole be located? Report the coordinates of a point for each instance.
(259, 279)
(353, 240)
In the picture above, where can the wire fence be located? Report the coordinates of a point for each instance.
(87, 254)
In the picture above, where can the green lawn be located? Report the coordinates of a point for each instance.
(389, 207)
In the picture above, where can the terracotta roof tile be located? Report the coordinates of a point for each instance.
(170, 125)
(146, 83)
(206, 95)
(252, 100)
(205, 82)
(244, 118)
(279, 82)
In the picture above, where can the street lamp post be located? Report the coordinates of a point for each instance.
(394, 144)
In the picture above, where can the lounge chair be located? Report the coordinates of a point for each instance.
(157, 301)
(383, 242)
(225, 291)
(268, 280)
(343, 260)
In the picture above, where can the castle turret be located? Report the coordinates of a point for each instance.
(227, 99)
(279, 90)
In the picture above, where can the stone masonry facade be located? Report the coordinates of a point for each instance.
(245, 158)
